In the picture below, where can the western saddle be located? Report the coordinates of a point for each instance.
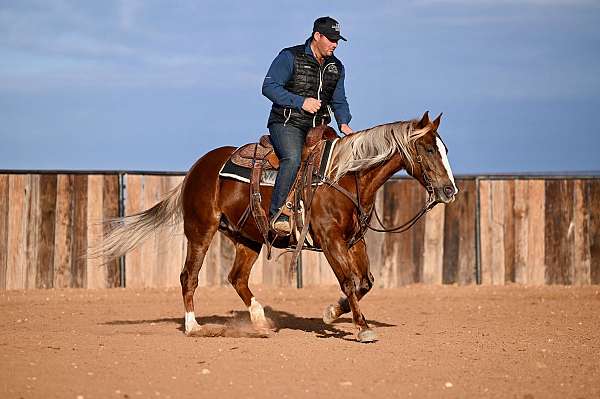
(261, 156)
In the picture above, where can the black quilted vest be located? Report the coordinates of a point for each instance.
(309, 79)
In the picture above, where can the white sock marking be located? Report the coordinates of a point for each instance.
(257, 313)
(190, 321)
(442, 151)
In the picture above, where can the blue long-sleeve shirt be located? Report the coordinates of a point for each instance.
(281, 71)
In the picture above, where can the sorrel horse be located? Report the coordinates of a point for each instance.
(361, 164)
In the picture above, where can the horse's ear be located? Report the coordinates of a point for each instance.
(424, 120)
(436, 121)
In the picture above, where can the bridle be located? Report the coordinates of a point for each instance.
(364, 217)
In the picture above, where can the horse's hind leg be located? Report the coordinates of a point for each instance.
(245, 256)
(199, 238)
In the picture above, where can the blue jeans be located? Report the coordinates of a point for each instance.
(288, 142)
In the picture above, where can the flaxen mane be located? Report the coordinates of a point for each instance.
(372, 146)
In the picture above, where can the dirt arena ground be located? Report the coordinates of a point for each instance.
(435, 342)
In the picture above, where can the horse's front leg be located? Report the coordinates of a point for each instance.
(346, 265)
(361, 268)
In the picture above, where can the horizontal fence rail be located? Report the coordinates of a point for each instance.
(501, 229)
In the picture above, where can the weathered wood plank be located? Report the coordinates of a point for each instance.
(219, 253)
(134, 276)
(110, 210)
(581, 242)
(176, 243)
(402, 254)
(509, 230)
(151, 247)
(559, 238)
(227, 258)
(536, 232)
(215, 256)
(63, 231)
(168, 240)
(3, 229)
(327, 276)
(433, 254)
(18, 203)
(47, 206)
(492, 200)
(34, 217)
(451, 241)
(402, 243)
(278, 270)
(593, 199)
(467, 233)
(417, 232)
(163, 243)
(388, 269)
(459, 236)
(80, 227)
(415, 237)
(498, 220)
(310, 269)
(96, 272)
(521, 229)
(487, 232)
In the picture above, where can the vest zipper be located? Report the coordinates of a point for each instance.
(321, 72)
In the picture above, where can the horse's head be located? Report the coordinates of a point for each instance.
(431, 167)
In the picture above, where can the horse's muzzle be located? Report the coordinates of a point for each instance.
(445, 194)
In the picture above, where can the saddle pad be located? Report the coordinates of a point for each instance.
(233, 171)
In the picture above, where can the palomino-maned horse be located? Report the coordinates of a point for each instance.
(361, 164)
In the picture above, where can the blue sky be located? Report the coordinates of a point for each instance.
(153, 85)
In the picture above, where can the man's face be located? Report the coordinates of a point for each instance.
(326, 47)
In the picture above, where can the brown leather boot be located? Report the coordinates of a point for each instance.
(282, 225)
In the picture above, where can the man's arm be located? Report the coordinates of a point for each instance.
(279, 74)
(341, 110)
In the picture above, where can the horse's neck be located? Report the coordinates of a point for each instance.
(372, 179)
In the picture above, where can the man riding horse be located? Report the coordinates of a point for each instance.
(304, 82)
(340, 208)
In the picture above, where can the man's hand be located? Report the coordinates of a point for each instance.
(347, 130)
(311, 105)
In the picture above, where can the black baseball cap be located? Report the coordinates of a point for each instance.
(329, 27)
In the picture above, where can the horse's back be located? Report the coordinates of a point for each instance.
(201, 181)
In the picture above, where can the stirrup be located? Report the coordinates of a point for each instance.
(281, 227)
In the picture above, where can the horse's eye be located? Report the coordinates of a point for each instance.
(430, 151)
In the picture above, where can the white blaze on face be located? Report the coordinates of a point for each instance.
(442, 151)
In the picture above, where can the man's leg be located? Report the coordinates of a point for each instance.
(288, 142)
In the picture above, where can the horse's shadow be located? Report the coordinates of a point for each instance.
(281, 320)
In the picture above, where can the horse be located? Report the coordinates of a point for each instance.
(361, 163)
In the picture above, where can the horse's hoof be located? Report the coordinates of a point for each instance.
(193, 330)
(329, 314)
(367, 335)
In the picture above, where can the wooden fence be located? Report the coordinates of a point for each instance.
(527, 230)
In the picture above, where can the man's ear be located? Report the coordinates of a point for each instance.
(424, 120)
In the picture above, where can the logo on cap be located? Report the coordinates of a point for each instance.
(336, 27)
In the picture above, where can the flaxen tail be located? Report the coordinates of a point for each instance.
(125, 233)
